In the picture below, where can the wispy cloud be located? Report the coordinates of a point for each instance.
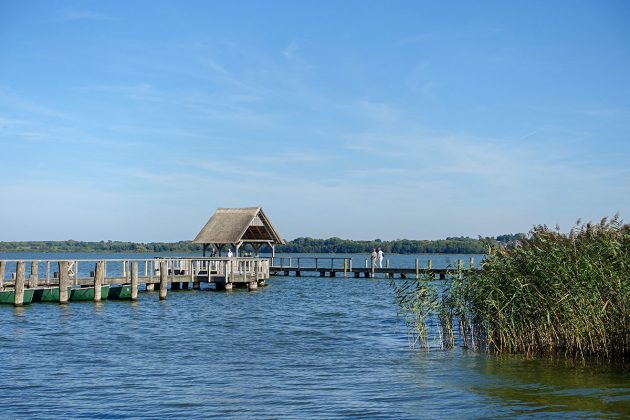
(11, 100)
(380, 112)
(289, 157)
(220, 72)
(420, 80)
(292, 49)
(140, 91)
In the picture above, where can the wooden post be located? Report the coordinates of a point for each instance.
(151, 286)
(134, 280)
(387, 263)
(373, 267)
(471, 263)
(3, 267)
(33, 280)
(163, 279)
(47, 273)
(345, 268)
(98, 281)
(417, 269)
(18, 299)
(63, 282)
(430, 269)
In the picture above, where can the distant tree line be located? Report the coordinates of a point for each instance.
(461, 245)
(102, 246)
(458, 245)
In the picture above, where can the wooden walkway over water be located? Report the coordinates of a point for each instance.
(334, 267)
(65, 280)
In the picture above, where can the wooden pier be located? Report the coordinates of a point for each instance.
(334, 267)
(65, 280)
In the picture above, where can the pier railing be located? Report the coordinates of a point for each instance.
(75, 279)
(46, 272)
(293, 263)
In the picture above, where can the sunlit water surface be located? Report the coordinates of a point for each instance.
(300, 347)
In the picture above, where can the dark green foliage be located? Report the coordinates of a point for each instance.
(547, 293)
(102, 246)
(461, 245)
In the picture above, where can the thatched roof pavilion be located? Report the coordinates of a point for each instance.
(237, 227)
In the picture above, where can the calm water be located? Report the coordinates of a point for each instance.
(301, 347)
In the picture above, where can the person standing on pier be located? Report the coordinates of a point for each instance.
(373, 257)
(379, 256)
(230, 253)
(214, 252)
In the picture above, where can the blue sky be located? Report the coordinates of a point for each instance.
(359, 119)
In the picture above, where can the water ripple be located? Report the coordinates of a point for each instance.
(301, 347)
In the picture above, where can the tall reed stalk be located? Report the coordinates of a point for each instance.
(550, 292)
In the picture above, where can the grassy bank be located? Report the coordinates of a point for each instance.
(550, 292)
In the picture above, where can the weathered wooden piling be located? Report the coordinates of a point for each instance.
(151, 286)
(3, 267)
(64, 280)
(99, 275)
(134, 280)
(163, 280)
(18, 298)
(33, 280)
(417, 269)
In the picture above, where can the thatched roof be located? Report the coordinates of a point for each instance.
(231, 226)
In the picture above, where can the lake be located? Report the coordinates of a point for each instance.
(306, 347)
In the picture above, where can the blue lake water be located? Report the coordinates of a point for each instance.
(306, 347)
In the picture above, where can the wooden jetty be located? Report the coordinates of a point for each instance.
(96, 279)
(343, 266)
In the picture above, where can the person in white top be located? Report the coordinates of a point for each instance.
(379, 257)
(230, 253)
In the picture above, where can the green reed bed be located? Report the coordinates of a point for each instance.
(549, 293)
